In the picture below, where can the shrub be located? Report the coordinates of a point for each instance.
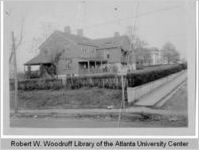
(40, 84)
(111, 81)
(184, 65)
(107, 81)
(136, 79)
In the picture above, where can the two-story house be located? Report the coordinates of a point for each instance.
(64, 53)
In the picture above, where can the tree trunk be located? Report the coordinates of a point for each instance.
(15, 75)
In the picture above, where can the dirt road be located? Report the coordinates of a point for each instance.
(96, 123)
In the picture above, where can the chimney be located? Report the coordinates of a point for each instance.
(116, 34)
(80, 32)
(67, 29)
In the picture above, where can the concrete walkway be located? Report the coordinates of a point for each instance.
(158, 94)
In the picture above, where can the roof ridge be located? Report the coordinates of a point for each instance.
(113, 37)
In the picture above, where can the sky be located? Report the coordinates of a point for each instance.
(155, 21)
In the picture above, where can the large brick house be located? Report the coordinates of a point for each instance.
(64, 53)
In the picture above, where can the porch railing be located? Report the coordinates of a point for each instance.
(94, 71)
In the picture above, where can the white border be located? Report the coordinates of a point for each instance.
(87, 136)
(197, 61)
(2, 8)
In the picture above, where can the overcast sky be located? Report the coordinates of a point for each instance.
(157, 21)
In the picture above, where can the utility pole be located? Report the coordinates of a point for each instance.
(13, 56)
(15, 74)
(123, 100)
(131, 54)
(123, 88)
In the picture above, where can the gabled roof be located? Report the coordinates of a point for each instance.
(78, 39)
(111, 42)
(103, 43)
(39, 59)
(98, 43)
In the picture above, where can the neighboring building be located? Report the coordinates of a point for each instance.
(64, 53)
(148, 57)
(156, 58)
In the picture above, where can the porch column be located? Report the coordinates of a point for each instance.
(95, 64)
(40, 69)
(88, 66)
(101, 69)
(29, 68)
(29, 71)
(24, 69)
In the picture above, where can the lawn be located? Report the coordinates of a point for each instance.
(93, 98)
(80, 98)
(86, 98)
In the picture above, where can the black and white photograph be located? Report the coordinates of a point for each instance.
(126, 64)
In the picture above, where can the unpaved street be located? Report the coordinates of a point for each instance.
(95, 123)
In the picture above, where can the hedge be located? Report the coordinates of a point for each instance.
(40, 84)
(139, 78)
(112, 81)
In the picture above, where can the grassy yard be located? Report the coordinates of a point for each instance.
(86, 98)
(80, 98)
(93, 98)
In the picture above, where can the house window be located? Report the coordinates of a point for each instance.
(68, 64)
(107, 55)
(92, 52)
(83, 50)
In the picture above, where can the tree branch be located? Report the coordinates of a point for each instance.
(11, 55)
(21, 35)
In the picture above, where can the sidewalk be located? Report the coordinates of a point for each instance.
(159, 93)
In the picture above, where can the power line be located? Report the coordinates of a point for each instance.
(122, 78)
(135, 17)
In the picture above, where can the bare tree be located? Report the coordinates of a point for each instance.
(141, 54)
(47, 29)
(138, 43)
(135, 44)
(16, 43)
(170, 54)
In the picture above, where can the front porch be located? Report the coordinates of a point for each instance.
(92, 66)
(44, 71)
(45, 67)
